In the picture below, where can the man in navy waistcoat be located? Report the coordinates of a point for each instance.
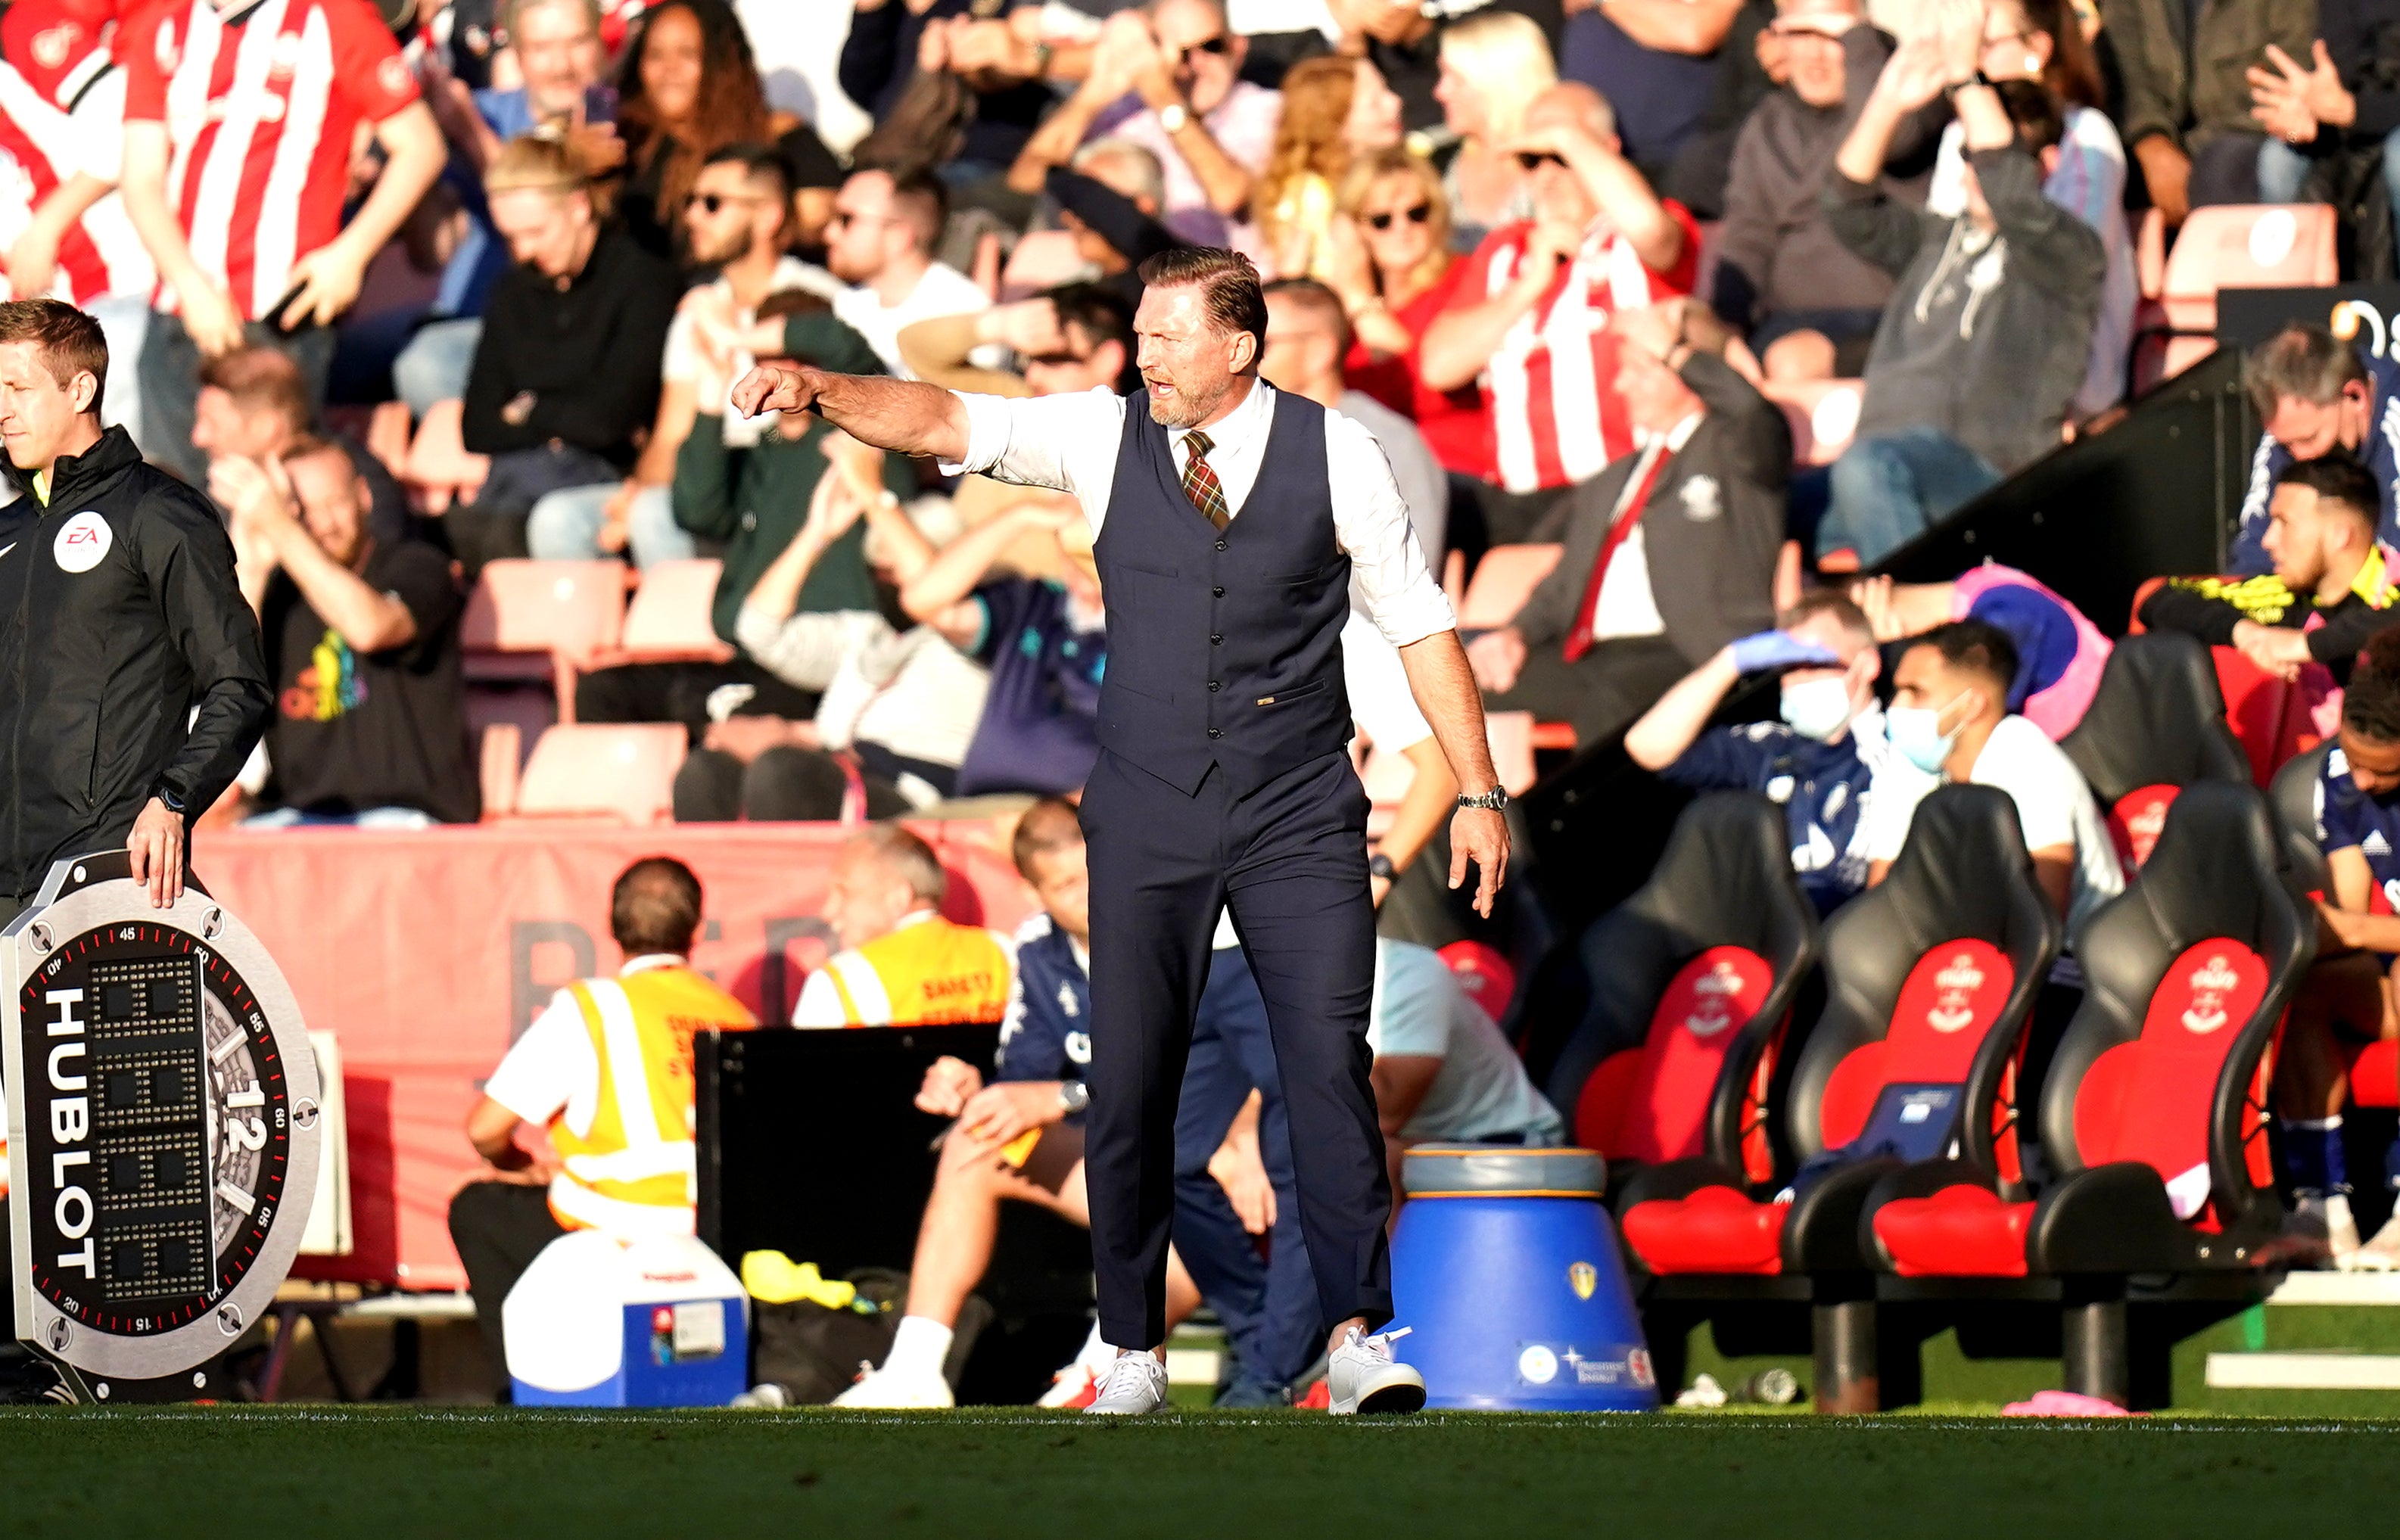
(1231, 520)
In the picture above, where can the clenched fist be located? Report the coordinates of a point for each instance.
(777, 388)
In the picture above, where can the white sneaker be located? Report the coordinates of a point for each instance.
(2306, 1239)
(885, 1390)
(1073, 1387)
(2380, 1255)
(1361, 1376)
(1135, 1384)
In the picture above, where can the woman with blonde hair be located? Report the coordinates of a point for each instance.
(1494, 63)
(1334, 109)
(1389, 259)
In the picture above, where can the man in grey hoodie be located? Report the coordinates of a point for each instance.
(1989, 332)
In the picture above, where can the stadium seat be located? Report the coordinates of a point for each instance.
(1929, 978)
(1692, 983)
(2244, 246)
(2375, 1067)
(439, 465)
(2293, 796)
(2257, 706)
(2156, 725)
(1823, 414)
(1503, 579)
(527, 620)
(623, 771)
(2153, 1115)
(668, 620)
(501, 764)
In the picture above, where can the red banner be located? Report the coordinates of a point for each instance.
(427, 953)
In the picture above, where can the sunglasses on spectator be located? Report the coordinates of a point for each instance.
(1059, 359)
(842, 218)
(1219, 45)
(715, 202)
(1533, 161)
(1415, 214)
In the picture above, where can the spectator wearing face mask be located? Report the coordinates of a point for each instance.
(1845, 793)
(1949, 716)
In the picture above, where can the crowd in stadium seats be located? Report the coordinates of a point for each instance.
(1672, 318)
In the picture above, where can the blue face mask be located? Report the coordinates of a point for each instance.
(1916, 732)
(1818, 708)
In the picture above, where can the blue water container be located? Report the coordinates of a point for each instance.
(1505, 1268)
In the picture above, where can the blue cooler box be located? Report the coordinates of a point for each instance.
(598, 1322)
(1505, 1268)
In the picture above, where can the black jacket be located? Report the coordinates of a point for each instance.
(118, 614)
(1710, 529)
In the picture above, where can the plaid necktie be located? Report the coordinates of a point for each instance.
(1200, 482)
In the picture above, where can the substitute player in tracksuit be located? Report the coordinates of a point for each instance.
(131, 682)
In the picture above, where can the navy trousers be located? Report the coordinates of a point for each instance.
(1289, 861)
(1267, 1304)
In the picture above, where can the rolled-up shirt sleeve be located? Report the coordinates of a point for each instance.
(1371, 520)
(1068, 443)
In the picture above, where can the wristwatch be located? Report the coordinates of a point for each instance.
(1978, 78)
(1173, 117)
(1492, 801)
(1380, 864)
(1074, 1096)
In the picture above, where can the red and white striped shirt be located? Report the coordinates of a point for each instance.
(260, 102)
(1551, 387)
(61, 111)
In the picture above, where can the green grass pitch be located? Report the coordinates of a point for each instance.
(325, 1473)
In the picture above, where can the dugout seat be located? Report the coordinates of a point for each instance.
(1692, 983)
(2374, 1066)
(2154, 1112)
(2156, 726)
(2293, 797)
(1929, 978)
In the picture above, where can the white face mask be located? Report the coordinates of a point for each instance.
(1818, 708)
(1916, 732)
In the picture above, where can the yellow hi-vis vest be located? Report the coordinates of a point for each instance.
(633, 1173)
(929, 973)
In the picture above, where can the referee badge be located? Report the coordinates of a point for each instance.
(1702, 498)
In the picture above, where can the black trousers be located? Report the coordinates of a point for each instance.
(679, 692)
(1602, 692)
(1289, 861)
(499, 1228)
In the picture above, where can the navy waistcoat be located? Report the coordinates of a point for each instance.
(1223, 648)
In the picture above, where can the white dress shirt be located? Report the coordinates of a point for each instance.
(1070, 444)
(1628, 607)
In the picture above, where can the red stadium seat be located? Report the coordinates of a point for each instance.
(2257, 705)
(2246, 246)
(669, 617)
(2154, 1114)
(1488, 979)
(529, 619)
(622, 771)
(1823, 414)
(2374, 1075)
(1692, 982)
(2156, 725)
(1930, 979)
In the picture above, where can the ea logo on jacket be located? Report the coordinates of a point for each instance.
(83, 542)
